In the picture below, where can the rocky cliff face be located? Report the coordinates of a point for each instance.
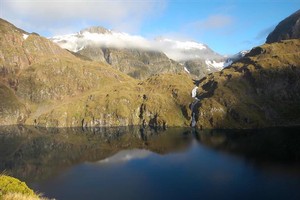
(262, 89)
(199, 68)
(139, 64)
(44, 85)
(287, 29)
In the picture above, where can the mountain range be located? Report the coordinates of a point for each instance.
(45, 85)
(140, 57)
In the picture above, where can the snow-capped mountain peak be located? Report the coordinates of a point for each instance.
(195, 58)
(98, 36)
(177, 50)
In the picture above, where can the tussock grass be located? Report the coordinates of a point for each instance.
(14, 189)
(19, 196)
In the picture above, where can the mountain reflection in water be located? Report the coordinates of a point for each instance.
(33, 153)
(177, 163)
(127, 155)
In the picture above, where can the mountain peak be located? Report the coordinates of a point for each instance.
(97, 36)
(289, 28)
(96, 29)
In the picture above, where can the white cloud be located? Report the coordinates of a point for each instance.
(111, 40)
(174, 49)
(125, 14)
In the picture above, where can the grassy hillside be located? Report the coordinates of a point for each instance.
(157, 101)
(45, 85)
(11, 109)
(262, 89)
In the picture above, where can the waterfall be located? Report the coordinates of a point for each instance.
(196, 100)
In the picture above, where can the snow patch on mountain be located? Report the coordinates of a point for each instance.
(25, 36)
(214, 64)
(235, 57)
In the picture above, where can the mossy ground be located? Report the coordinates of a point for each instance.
(12, 188)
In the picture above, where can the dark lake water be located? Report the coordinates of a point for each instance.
(133, 163)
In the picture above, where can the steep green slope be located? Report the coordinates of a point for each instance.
(20, 49)
(42, 84)
(262, 89)
(158, 101)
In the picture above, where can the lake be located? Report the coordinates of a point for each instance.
(137, 163)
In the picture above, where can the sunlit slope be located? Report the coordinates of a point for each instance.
(262, 89)
(45, 85)
(158, 101)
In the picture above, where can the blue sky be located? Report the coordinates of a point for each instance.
(226, 26)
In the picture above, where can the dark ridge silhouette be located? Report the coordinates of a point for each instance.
(287, 29)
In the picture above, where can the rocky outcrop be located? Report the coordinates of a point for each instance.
(287, 29)
(198, 68)
(262, 89)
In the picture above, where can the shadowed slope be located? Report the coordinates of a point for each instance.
(288, 28)
(262, 89)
